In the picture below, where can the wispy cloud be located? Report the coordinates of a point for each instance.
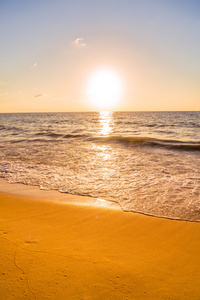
(34, 65)
(41, 95)
(79, 42)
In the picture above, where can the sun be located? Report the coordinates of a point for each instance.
(105, 89)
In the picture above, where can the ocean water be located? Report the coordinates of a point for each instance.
(148, 162)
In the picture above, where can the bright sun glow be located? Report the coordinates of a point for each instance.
(105, 89)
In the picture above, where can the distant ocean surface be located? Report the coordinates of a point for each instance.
(148, 162)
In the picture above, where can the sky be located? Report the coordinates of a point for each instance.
(49, 50)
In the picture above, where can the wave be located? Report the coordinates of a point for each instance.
(151, 142)
(60, 135)
(50, 134)
(2, 127)
(126, 141)
(176, 145)
(195, 125)
(48, 138)
(18, 141)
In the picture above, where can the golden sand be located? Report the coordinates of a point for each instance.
(50, 250)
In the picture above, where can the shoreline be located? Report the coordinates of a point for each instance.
(34, 192)
(84, 251)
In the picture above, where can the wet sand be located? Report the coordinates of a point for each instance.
(51, 249)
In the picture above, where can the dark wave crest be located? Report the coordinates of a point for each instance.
(8, 128)
(150, 142)
(60, 135)
(49, 134)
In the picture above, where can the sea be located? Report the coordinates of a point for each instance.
(147, 162)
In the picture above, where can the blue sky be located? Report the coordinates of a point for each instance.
(50, 48)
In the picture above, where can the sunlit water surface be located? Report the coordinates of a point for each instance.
(147, 162)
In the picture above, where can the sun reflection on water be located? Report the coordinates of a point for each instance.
(102, 152)
(105, 122)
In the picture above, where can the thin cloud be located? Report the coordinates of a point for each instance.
(41, 95)
(79, 43)
(34, 65)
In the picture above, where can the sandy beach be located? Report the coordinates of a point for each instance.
(51, 249)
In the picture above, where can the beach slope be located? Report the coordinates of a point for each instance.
(50, 250)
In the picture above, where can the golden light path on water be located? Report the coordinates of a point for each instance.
(105, 122)
(105, 129)
(103, 152)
